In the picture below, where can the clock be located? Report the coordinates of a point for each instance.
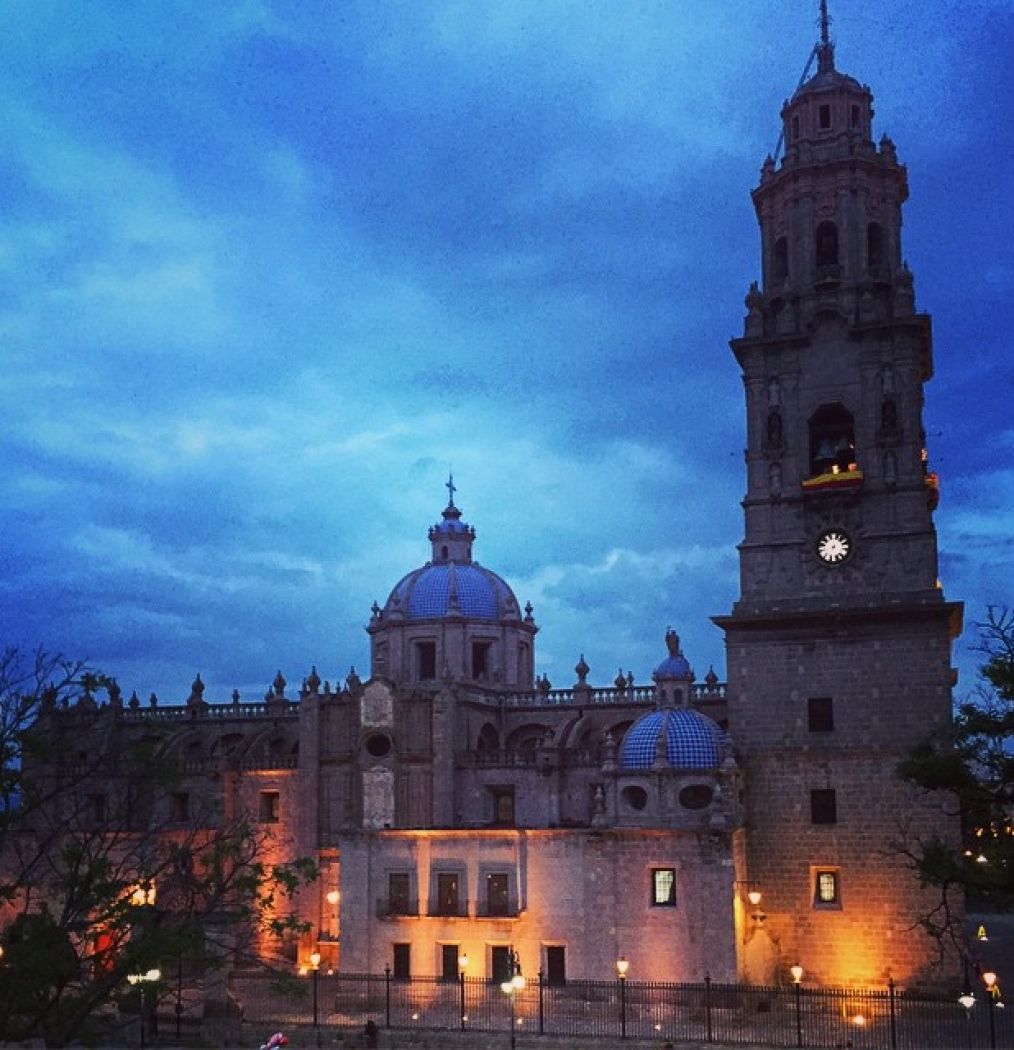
(834, 546)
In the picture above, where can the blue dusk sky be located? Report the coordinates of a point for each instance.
(269, 270)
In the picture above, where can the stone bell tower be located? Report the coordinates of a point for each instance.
(839, 647)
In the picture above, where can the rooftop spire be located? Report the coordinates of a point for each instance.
(451, 488)
(825, 49)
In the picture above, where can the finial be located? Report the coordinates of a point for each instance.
(451, 489)
(825, 49)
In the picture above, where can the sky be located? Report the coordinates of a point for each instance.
(269, 271)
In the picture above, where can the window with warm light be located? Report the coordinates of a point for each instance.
(826, 888)
(663, 887)
(270, 807)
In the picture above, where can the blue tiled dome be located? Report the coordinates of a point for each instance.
(426, 593)
(692, 740)
(673, 667)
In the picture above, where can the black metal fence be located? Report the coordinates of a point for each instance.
(793, 1016)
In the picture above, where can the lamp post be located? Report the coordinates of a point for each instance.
(142, 980)
(315, 971)
(797, 978)
(462, 967)
(514, 983)
(989, 977)
(622, 965)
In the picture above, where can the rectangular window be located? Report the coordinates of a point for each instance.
(500, 963)
(270, 807)
(663, 887)
(480, 660)
(823, 806)
(181, 806)
(448, 901)
(503, 805)
(449, 961)
(820, 714)
(401, 970)
(426, 660)
(97, 803)
(556, 964)
(826, 888)
(498, 894)
(825, 117)
(399, 893)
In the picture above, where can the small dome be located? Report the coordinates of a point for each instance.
(675, 665)
(692, 740)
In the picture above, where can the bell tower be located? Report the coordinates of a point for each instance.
(839, 647)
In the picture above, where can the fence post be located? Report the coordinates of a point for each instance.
(542, 1006)
(707, 1005)
(894, 1026)
(387, 996)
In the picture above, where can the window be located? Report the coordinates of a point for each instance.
(503, 805)
(854, 116)
(399, 893)
(426, 660)
(498, 900)
(448, 901)
(480, 660)
(832, 440)
(402, 959)
(826, 888)
(97, 805)
(874, 246)
(181, 806)
(795, 127)
(556, 964)
(820, 714)
(449, 954)
(824, 116)
(270, 809)
(663, 887)
(780, 263)
(500, 963)
(823, 806)
(826, 239)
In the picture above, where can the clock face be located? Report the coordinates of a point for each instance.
(834, 546)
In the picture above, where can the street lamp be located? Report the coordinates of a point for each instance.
(797, 977)
(622, 965)
(514, 983)
(142, 980)
(991, 993)
(462, 967)
(315, 969)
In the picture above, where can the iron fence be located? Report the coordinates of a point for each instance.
(794, 1016)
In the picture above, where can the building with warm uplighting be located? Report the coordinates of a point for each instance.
(462, 807)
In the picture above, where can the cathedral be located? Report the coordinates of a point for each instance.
(462, 807)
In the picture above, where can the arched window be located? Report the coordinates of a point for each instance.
(832, 440)
(826, 243)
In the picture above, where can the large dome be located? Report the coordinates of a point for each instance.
(451, 584)
(449, 589)
(692, 740)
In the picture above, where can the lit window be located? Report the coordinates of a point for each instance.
(503, 805)
(270, 808)
(826, 889)
(663, 887)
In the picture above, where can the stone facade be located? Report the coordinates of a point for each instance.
(460, 806)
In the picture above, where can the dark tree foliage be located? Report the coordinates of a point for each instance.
(87, 898)
(974, 762)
